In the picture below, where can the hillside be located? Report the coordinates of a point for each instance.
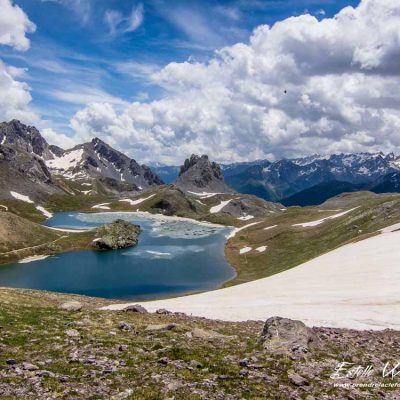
(48, 351)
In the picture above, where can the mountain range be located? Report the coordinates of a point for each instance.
(29, 165)
(311, 180)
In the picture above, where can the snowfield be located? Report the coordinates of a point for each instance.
(67, 161)
(355, 286)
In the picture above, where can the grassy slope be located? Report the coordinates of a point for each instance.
(20, 238)
(106, 361)
(288, 246)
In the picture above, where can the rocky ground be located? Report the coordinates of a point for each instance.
(61, 346)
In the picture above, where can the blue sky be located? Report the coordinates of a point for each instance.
(238, 80)
(104, 50)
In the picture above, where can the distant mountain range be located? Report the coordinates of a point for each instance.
(312, 180)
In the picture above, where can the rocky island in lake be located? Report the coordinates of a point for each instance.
(117, 235)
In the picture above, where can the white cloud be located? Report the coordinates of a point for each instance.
(119, 24)
(59, 139)
(14, 95)
(81, 8)
(14, 24)
(298, 87)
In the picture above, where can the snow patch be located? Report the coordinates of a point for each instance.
(3, 140)
(32, 258)
(102, 206)
(245, 250)
(68, 160)
(21, 197)
(236, 230)
(46, 213)
(270, 227)
(261, 249)
(320, 221)
(246, 217)
(138, 201)
(219, 207)
(5, 207)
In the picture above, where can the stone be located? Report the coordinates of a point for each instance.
(297, 379)
(163, 311)
(29, 367)
(286, 336)
(11, 361)
(71, 306)
(72, 333)
(161, 327)
(123, 326)
(135, 308)
(207, 334)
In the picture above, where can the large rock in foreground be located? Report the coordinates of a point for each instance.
(286, 336)
(117, 235)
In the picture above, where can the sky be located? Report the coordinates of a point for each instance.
(238, 80)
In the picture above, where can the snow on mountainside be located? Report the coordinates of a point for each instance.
(97, 159)
(30, 165)
(284, 178)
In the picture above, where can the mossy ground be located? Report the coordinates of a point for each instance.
(107, 362)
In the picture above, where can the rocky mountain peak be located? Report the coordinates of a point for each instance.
(198, 174)
(25, 137)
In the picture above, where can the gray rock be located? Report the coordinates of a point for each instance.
(161, 327)
(29, 367)
(199, 174)
(71, 306)
(116, 235)
(286, 336)
(297, 379)
(123, 326)
(207, 334)
(72, 333)
(135, 308)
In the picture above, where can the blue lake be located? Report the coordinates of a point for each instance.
(173, 257)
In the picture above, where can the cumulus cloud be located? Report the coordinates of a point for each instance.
(14, 24)
(14, 95)
(301, 86)
(59, 139)
(118, 23)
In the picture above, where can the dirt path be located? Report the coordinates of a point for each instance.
(33, 247)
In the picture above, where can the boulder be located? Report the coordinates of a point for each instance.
(161, 327)
(286, 336)
(135, 308)
(71, 306)
(116, 235)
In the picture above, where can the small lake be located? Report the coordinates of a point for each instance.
(173, 257)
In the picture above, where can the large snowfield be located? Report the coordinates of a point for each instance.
(355, 286)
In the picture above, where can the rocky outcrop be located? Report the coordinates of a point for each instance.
(116, 235)
(286, 336)
(199, 174)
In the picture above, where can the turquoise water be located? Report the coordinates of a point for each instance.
(172, 257)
